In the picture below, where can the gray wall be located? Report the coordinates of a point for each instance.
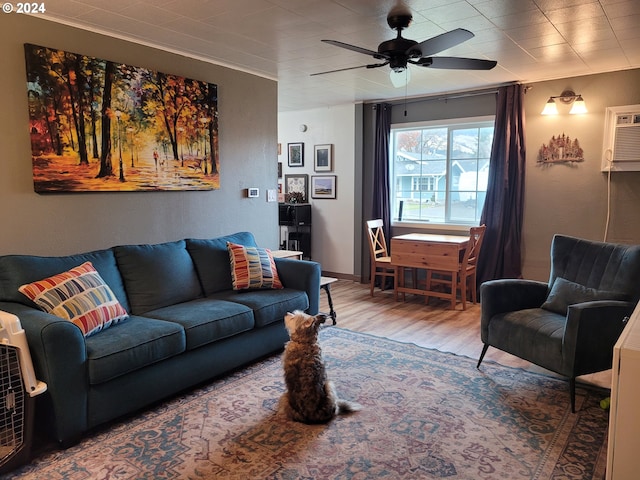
(563, 198)
(572, 199)
(72, 223)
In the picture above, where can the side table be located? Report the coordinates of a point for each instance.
(325, 284)
(287, 254)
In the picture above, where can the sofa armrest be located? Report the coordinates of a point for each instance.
(508, 295)
(58, 353)
(301, 275)
(591, 331)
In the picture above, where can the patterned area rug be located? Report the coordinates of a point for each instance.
(426, 414)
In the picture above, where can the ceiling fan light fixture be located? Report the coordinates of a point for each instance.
(550, 107)
(399, 50)
(400, 77)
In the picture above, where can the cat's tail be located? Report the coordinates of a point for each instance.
(345, 406)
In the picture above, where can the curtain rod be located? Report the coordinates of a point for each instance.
(447, 96)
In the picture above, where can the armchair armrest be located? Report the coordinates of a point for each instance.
(508, 295)
(58, 353)
(301, 275)
(591, 332)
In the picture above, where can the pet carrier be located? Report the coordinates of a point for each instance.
(18, 387)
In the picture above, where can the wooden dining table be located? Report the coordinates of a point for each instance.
(428, 251)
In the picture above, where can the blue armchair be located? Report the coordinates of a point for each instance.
(570, 324)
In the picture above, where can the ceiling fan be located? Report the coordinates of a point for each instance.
(400, 51)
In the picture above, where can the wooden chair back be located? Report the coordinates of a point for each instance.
(476, 235)
(377, 242)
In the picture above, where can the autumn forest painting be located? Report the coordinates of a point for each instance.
(97, 125)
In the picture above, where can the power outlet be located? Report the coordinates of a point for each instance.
(272, 195)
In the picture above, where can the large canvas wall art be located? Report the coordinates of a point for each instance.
(97, 125)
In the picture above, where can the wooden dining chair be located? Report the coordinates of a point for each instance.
(465, 279)
(380, 259)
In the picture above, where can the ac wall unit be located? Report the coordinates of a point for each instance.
(621, 152)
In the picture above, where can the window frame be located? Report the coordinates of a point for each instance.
(456, 123)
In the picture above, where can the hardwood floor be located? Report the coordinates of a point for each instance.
(430, 326)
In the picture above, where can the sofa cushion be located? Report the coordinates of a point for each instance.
(206, 320)
(564, 293)
(80, 296)
(268, 306)
(132, 345)
(157, 275)
(252, 268)
(211, 259)
(16, 270)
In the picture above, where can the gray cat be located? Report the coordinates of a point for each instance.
(310, 395)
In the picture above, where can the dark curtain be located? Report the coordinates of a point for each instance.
(381, 207)
(501, 255)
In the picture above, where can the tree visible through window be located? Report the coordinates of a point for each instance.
(440, 170)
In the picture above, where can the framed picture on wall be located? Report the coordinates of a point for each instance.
(323, 157)
(149, 147)
(296, 188)
(296, 154)
(323, 186)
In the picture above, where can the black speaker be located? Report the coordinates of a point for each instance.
(291, 214)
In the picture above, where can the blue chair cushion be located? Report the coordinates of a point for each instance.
(564, 293)
(534, 334)
(603, 266)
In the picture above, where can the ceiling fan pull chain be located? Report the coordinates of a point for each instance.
(405, 92)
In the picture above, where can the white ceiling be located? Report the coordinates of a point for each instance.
(532, 40)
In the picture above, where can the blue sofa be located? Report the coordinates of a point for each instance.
(186, 326)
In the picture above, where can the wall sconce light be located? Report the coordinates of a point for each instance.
(565, 97)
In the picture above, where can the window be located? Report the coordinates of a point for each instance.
(439, 170)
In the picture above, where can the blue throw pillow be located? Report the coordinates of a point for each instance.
(564, 293)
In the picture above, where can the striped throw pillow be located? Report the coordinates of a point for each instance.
(80, 296)
(252, 268)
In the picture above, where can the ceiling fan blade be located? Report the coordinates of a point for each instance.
(440, 42)
(354, 48)
(456, 63)
(375, 65)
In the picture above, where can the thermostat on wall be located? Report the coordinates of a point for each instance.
(253, 192)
